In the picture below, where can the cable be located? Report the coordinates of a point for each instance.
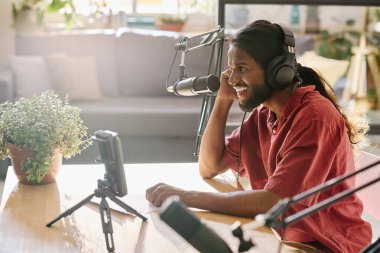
(239, 157)
(170, 70)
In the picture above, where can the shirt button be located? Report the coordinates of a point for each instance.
(274, 131)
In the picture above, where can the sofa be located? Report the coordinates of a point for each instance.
(130, 68)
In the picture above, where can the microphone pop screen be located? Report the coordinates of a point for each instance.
(175, 213)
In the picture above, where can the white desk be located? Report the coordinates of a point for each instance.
(25, 210)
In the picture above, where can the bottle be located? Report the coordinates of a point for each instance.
(295, 18)
(312, 19)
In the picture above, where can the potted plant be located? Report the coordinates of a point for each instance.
(29, 13)
(171, 22)
(44, 128)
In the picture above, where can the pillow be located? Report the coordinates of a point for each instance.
(31, 75)
(76, 76)
(331, 69)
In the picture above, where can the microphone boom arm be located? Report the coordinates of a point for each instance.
(214, 38)
(270, 217)
(326, 203)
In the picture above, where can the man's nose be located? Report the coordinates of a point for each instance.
(233, 79)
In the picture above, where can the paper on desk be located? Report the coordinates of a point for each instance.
(237, 182)
(179, 242)
(296, 247)
(264, 242)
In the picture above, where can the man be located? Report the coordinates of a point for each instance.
(295, 138)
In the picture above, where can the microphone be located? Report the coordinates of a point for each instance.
(195, 86)
(175, 213)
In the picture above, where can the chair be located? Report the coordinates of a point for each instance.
(369, 195)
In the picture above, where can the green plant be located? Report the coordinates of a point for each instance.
(37, 6)
(42, 123)
(172, 19)
(40, 7)
(338, 45)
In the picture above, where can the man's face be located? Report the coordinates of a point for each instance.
(247, 78)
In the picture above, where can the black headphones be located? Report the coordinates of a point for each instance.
(281, 70)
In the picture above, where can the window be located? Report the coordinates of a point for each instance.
(144, 6)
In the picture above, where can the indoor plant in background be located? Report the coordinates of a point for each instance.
(29, 15)
(43, 129)
(171, 22)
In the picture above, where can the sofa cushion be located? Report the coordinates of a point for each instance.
(101, 46)
(76, 76)
(30, 74)
(144, 59)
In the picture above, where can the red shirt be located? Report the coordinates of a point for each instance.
(307, 146)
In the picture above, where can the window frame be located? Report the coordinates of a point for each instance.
(222, 4)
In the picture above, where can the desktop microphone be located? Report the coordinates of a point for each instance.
(175, 213)
(195, 86)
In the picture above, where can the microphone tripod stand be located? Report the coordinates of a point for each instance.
(103, 191)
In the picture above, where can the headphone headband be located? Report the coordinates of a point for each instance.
(281, 70)
(288, 36)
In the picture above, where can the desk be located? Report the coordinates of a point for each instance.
(26, 209)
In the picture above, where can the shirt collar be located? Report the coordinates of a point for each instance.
(293, 102)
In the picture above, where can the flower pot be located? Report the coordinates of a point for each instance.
(26, 22)
(177, 27)
(20, 154)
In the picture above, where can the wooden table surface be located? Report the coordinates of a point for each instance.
(25, 210)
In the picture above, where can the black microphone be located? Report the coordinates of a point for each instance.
(175, 213)
(195, 86)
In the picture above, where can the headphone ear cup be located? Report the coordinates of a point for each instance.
(279, 74)
(271, 71)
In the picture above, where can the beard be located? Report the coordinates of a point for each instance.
(259, 93)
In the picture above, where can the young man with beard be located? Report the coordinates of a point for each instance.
(296, 138)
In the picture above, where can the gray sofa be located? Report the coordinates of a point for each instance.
(132, 67)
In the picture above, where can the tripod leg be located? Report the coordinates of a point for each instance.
(71, 210)
(126, 207)
(105, 216)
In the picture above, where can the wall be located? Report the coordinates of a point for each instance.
(6, 32)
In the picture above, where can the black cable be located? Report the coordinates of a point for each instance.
(240, 136)
(170, 70)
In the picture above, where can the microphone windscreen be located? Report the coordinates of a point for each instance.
(175, 214)
(210, 82)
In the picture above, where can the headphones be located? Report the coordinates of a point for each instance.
(281, 70)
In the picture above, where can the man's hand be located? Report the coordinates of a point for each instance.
(158, 193)
(226, 92)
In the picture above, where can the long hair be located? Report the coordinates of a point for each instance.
(263, 41)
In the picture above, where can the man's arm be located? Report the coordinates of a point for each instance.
(213, 143)
(239, 203)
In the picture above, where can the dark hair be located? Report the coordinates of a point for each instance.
(263, 41)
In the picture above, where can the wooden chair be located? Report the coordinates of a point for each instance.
(369, 195)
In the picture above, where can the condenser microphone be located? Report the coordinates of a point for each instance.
(175, 213)
(195, 86)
